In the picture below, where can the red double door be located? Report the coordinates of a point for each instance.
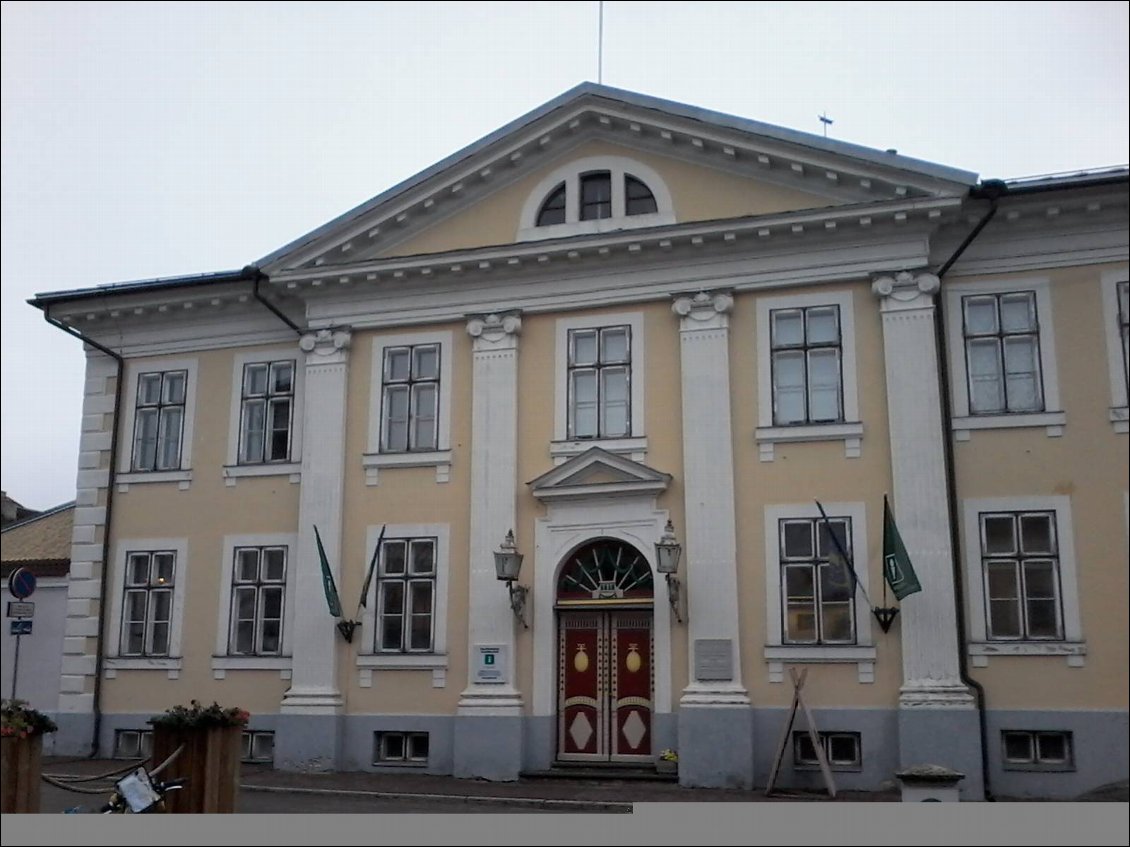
(605, 685)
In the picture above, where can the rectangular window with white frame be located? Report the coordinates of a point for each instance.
(1001, 347)
(266, 412)
(258, 598)
(404, 619)
(254, 629)
(159, 420)
(1032, 750)
(410, 398)
(816, 585)
(150, 582)
(1002, 353)
(600, 377)
(1020, 558)
(807, 382)
(1116, 322)
(1021, 578)
(816, 610)
(807, 387)
(406, 588)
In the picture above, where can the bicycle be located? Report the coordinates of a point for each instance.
(135, 792)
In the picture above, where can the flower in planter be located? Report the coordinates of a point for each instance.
(19, 720)
(196, 716)
(669, 756)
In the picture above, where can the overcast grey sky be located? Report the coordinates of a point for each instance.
(157, 139)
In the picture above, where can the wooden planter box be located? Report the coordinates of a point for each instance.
(210, 762)
(20, 768)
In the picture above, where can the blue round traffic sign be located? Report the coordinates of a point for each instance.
(21, 583)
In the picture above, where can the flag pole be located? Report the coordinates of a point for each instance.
(883, 615)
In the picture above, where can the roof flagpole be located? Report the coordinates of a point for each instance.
(600, 44)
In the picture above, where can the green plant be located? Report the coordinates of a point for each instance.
(196, 716)
(669, 755)
(19, 720)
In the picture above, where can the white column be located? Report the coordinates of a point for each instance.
(710, 546)
(494, 479)
(931, 673)
(313, 689)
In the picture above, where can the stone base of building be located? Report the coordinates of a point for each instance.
(947, 737)
(715, 747)
(487, 747)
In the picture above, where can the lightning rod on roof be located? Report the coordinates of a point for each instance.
(824, 119)
(600, 44)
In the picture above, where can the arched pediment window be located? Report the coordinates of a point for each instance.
(596, 194)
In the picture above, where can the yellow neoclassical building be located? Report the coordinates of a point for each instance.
(632, 347)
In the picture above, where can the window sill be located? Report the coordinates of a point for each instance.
(402, 661)
(1030, 767)
(850, 433)
(125, 480)
(1120, 418)
(1052, 421)
(438, 459)
(862, 655)
(222, 664)
(112, 664)
(633, 447)
(1074, 651)
(232, 473)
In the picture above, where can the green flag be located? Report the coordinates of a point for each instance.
(372, 567)
(897, 569)
(328, 579)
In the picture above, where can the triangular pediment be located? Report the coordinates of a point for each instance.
(786, 169)
(598, 473)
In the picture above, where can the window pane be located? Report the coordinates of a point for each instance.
(398, 363)
(392, 627)
(800, 623)
(584, 403)
(174, 387)
(282, 377)
(615, 343)
(553, 210)
(824, 384)
(135, 639)
(1018, 312)
(1043, 619)
(1004, 619)
(161, 606)
(788, 387)
(244, 636)
(145, 440)
(427, 362)
(392, 557)
(272, 603)
(137, 569)
(788, 327)
(1036, 535)
(255, 379)
(825, 546)
(999, 533)
(160, 643)
(392, 597)
(423, 557)
(615, 402)
(835, 582)
(169, 439)
(135, 605)
(837, 620)
(148, 389)
(596, 196)
(1018, 746)
(799, 582)
(1022, 374)
(280, 430)
(639, 199)
(842, 749)
(824, 325)
(254, 421)
(392, 744)
(424, 424)
(1052, 747)
(274, 564)
(163, 568)
(396, 417)
(1003, 582)
(985, 380)
(245, 601)
(247, 564)
(980, 315)
(271, 637)
(803, 751)
(584, 350)
(418, 746)
(421, 598)
(797, 537)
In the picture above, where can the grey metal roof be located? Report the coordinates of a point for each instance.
(48, 297)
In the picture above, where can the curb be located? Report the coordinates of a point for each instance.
(574, 805)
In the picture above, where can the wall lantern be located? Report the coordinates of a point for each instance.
(667, 553)
(507, 564)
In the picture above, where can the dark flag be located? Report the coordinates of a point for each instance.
(897, 569)
(372, 567)
(328, 579)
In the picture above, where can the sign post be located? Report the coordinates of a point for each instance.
(21, 585)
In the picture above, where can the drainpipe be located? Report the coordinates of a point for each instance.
(257, 276)
(103, 614)
(991, 190)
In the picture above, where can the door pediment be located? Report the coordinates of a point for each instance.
(597, 473)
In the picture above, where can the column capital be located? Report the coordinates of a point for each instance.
(495, 331)
(905, 289)
(704, 310)
(326, 346)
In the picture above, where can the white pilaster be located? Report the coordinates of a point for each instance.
(931, 674)
(710, 547)
(313, 689)
(494, 477)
